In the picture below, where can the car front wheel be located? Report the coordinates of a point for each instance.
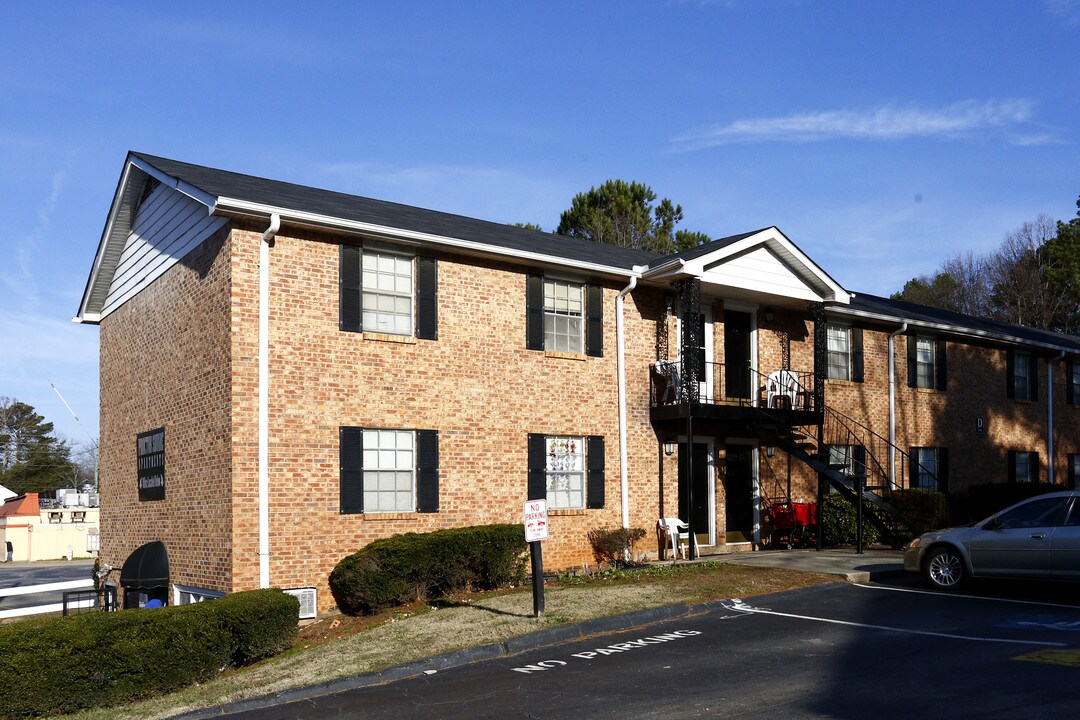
(945, 568)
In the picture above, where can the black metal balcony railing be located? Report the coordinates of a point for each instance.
(723, 384)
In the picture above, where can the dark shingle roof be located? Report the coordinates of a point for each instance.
(223, 183)
(922, 314)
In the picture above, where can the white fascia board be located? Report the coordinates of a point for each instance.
(179, 185)
(771, 236)
(952, 329)
(226, 206)
(85, 316)
(95, 270)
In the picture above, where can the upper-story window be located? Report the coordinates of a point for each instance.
(1072, 382)
(1023, 377)
(564, 316)
(926, 362)
(388, 292)
(564, 309)
(838, 337)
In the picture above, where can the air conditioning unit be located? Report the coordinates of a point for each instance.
(309, 607)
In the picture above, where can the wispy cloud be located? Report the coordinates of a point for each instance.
(19, 275)
(881, 124)
(1067, 10)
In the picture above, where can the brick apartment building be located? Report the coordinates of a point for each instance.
(289, 373)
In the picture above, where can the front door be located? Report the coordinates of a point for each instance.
(737, 335)
(700, 487)
(739, 493)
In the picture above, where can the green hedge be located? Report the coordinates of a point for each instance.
(839, 521)
(927, 509)
(59, 665)
(981, 501)
(403, 568)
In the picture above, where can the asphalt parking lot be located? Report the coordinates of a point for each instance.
(838, 650)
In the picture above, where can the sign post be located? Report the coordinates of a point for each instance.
(534, 513)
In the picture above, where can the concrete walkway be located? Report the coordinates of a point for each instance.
(873, 563)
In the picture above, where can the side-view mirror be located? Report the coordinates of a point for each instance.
(992, 524)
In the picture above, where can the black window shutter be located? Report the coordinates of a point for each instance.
(912, 364)
(1070, 389)
(594, 491)
(1072, 477)
(1033, 383)
(1010, 374)
(594, 323)
(943, 470)
(1033, 466)
(350, 318)
(856, 355)
(913, 468)
(427, 298)
(537, 467)
(940, 361)
(858, 455)
(534, 314)
(1012, 466)
(351, 452)
(427, 471)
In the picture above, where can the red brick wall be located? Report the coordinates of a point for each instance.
(165, 363)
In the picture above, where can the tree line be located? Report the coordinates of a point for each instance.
(33, 458)
(1031, 279)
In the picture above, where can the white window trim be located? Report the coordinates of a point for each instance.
(412, 470)
(583, 473)
(554, 313)
(931, 379)
(846, 328)
(381, 250)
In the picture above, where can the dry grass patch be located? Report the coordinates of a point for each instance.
(339, 646)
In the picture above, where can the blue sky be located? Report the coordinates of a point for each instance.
(880, 137)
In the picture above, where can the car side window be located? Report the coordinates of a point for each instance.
(1048, 512)
(1074, 516)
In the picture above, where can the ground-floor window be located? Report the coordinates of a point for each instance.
(1023, 466)
(929, 468)
(567, 471)
(185, 595)
(389, 470)
(1074, 470)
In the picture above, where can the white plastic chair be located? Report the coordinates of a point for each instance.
(676, 530)
(782, 384)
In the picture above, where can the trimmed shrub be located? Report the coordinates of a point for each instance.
(927, 509)
(612, 547)
(60, 665)
(403, 568)
(839, 521)
(981, 501)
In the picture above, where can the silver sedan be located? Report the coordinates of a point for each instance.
(1038, 538)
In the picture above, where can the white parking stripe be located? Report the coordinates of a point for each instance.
(740, 606)
(968, 597)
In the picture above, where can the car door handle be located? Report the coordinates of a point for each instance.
(1038, 536)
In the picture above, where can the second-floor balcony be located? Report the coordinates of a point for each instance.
(730, 391)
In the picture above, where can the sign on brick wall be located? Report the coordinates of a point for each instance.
(150, 447)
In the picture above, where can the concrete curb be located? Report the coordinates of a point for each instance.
(457, 658)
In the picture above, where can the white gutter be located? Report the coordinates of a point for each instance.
(620, 358)
(952, 329)
(892, 402)
(224, 206)
(1050, 415)
(264, 399)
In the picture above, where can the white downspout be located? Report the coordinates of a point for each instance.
(892, 402)
(620, 361)
(1050, 416)
(264, 399)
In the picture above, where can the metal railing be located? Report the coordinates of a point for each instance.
(673, 383)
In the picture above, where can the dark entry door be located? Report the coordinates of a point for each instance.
(739, 493)
(737, 384)
(699, 517)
